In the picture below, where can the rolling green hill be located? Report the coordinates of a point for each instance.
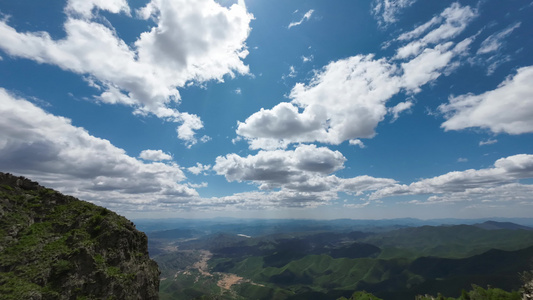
(392, 265)
(448, 241)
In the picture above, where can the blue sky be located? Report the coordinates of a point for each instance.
(272, 109)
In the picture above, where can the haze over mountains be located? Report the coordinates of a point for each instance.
(308, 259)
(55, 247)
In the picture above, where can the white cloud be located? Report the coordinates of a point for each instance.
(453, 20)
(306, 17)
(303, 176)
(462, 159)
(85, 7)
(199, 169)
(263, 200)
(315, 195)
(186, 130)
(347, 99)
(488, 142)
(268, 128)
(430, 64)
(307, 58)
(492, 47)
(503, 195)
(50, 150)
(506, 171)
(385, 11)
(419, 30)
(344, 101)
(506, 109)
(273, 169)
(357, 142)
(193, 41)
(293, 72)
(286, 183)
(399, 108)
(155, 155)
(494, 42)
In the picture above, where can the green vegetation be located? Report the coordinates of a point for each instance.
(458, 241)
(55, 247)
(477, 293)
(392, 265)
(361, 296)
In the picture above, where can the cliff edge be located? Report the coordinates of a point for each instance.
(54, 246)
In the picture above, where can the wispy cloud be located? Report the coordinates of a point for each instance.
(307, 58)
(488, 142)
(495, 41)
(306, 17)
(385, 11)
(492, 47)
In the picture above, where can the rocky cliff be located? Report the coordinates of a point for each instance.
(54, 246)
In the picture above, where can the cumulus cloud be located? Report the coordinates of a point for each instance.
(199, 169)
(297, 175)
(287, 181)
(357, 142)
(344, 101)
(506, 109)
(399, 108)
(51, 150)
(268, 129)
(347, 98)
(506, 172)
(85, 7)
(192, 41)
(385, 11)
(306, 17)
(503, 195)
(272, 169)
(155, 155)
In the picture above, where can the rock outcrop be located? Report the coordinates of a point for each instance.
(54, 246)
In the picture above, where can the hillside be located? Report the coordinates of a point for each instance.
(392, 265)
(458, 241)
(493, 225)
(54, 246)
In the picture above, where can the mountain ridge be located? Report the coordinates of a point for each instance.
(54, 246)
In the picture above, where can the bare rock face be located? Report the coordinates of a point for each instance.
(527, 288)
(54, 246)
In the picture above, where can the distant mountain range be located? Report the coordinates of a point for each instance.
(265, 226)
(493, 225)
(306, 259)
